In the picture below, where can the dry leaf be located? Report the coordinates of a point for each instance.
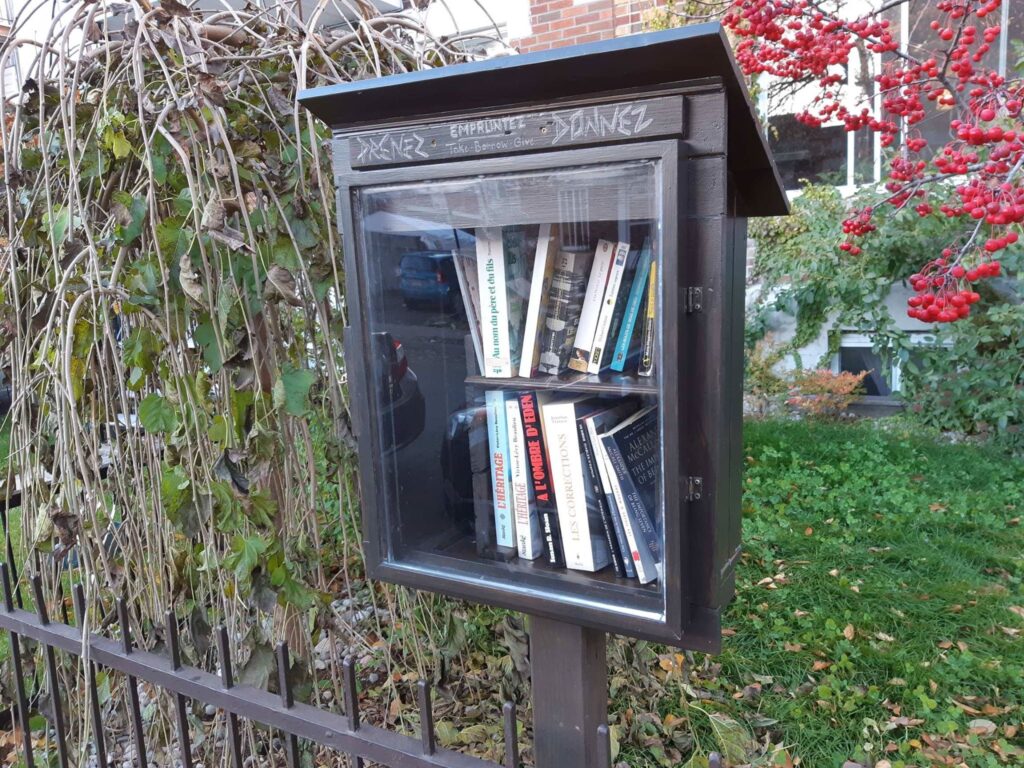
(1017, 609)
(792, 647)
(849, 631)
(281, 285)
(189, 280)
(819, 665)
(981, 727)
(885, 638)
(946, 644)
(808, 531)
(834, 572)
(936, 507)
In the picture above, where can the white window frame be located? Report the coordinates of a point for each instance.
(894, 374)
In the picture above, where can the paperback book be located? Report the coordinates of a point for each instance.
(565, 301)
(529, 540)
(540, 477)
(501, 473)
(611, 297)
(586, 328)
(632, 452)
(497, 350)
(627, 347)
(540, 288)
(646, 366)
(583, 540)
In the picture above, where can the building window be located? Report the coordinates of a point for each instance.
(885, 369)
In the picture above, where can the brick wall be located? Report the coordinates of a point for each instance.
(555, 23)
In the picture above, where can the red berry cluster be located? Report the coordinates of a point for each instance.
(944, 291)
(801, 40)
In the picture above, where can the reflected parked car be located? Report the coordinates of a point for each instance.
(427, 278)
(403, 409)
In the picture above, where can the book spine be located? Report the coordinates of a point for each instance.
(497, 432)
(528, 538)
(643, 562)
(540, 477)
(604, 320)
(646, 367)
(564, 300)
(540, 285)
(609, 495)
(638, 512)
(517, 287)
(584, 341)
(567, 478)
(595, 496)
(494, 303)
(636, 298)
(468, 288)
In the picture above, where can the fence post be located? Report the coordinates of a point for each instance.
(569, 673)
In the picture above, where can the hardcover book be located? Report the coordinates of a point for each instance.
(591, 310)
(494, 331)
(583, 540)
(540, 477)
(529, 539)
(598, 350)
(501, 473)
(633, 452)
(540, 288)
(626, 346)
(565, 300)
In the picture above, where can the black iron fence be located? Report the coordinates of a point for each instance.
(344, 735)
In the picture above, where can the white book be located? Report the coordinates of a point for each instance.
(599, 269)
(490, 264)
(501, 474)
(529, 539)
(582, 551)
(599, 349)
(540, 285)
(643, 561)
(469, 287)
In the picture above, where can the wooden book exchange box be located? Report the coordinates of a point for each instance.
(545, 260)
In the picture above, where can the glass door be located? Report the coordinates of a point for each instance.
(513, 327)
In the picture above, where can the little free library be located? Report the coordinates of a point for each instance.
(545, 261)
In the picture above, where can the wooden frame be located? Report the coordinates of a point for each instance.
(704, 209)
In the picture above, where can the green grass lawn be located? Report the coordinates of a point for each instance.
(879, 613)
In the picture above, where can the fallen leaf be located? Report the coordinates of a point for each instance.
(1017, 609)
(1009, 731)
(819, 665)
(905, 722)
(1010, 631)
(728, 632)
(885, 638)
(834, 572)
(855, 588)
(936, 507)
(962, 646)
(808, 531)
(849, 631)
(799, 614)
(792, 647)
(945, 644)
(981, 727)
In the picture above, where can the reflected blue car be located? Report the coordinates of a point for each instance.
(427, 278)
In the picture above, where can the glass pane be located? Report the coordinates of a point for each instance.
(858, 359)
(513, 320)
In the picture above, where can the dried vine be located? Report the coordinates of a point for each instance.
(171, 309)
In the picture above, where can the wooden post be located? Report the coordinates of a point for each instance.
(569, 671)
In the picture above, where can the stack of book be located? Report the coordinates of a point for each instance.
(575, 480)
(573, 307)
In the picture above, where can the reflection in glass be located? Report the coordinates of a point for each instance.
(521, 430)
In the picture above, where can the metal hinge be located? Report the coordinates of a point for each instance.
(694, 488)
(694, 299)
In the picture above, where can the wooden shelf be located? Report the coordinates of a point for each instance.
(603, 383)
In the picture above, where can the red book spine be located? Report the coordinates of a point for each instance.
(540, 477)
